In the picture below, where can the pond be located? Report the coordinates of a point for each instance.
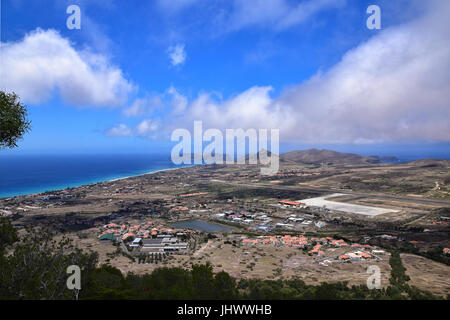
(200, 225)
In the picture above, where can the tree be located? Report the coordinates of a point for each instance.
(8, 235)
(202, 281)
(225, 286)
(36, 266)
(13, 120)
(105, 282)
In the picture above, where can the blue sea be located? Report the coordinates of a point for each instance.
(28, 174)
(22, 174)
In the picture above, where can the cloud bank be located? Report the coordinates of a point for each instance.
(394, 87)
(44, 62)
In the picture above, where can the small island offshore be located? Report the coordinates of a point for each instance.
(309, 232)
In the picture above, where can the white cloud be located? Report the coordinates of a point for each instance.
(235, 15)
(146, 129)
(122, 130)
(143, 106)
(276, 14)
(170, 100)
(177, 54)
(252, 108)
(305, 10)
(394, 87)
(179, 102)
(44, 62)
(138, 108)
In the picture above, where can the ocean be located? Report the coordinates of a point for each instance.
(28, 174)
(22, 174)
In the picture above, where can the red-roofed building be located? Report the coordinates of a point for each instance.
(290, 203)
(128, 235)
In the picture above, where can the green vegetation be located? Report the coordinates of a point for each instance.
(13, 120)
(435, 254)
(398, 272)
(34, 267)
(400, 289)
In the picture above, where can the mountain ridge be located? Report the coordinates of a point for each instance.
(317, 156)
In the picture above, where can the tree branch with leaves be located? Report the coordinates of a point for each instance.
(13, 120)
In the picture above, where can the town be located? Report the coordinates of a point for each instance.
(299, 222)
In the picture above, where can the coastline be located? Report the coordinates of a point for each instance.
(144, 174)
(79, 185)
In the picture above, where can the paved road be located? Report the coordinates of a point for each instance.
(323, 190)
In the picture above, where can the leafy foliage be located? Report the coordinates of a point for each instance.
(13, 120)
(36, 267)
(8, 235)
(398, 275)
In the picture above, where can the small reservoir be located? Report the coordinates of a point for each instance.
(200, 225)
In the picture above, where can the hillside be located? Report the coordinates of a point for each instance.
(316, 156)
(430, 163)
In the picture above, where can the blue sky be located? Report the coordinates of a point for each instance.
(138, 69)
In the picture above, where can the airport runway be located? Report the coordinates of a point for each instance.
(323, 190)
